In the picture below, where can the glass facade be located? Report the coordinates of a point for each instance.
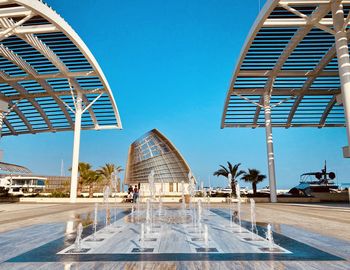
(149, 146)
(153, 151)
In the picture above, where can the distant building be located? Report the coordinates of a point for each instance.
(18, 183)
(18, 180)
(57, 183)
(153, 151)
(21, 184)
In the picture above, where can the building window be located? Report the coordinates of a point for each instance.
(171, 187)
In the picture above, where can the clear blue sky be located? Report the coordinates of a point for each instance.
(169, 64)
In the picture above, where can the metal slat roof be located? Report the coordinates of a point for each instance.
(43, 61)
(289, 53)
(13, 168)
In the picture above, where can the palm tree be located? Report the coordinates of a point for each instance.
(253, 176)
(92, 178)
(106, 173)
(234, 172)
(84, 170)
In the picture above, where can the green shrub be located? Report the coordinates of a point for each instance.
(59, 194)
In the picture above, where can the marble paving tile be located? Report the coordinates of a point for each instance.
(13, 243)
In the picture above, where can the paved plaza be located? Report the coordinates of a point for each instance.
(41, 236)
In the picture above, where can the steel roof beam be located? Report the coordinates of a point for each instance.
(36, 43)
(309, 2)
(106, 127)
(331, 53)
(229, 125)
(10, 26)
(20, 89)
(9, 126)
(17, 60)
(298, 36)
(19, 11)
(45, 94)
(86, 101)
(305, 17)
(20, 115)
(286, 73)
(50, 55)
(36, 29)
(287, 92)
(295, 22)
(59, 75)
(327, 110)
(258, 110)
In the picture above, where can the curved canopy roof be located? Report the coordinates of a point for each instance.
(13, 168)
(43, 65)
(289, 54)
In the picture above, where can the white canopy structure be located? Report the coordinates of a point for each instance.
(49, 80)
(294, 67)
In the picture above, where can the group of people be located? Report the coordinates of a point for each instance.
(133, 193)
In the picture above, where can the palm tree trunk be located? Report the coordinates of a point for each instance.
(233, 188)
(254, 188)
(79, 189)
(90, 190)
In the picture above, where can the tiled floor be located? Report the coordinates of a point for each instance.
(307, 224)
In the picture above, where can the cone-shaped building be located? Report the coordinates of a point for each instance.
(153, 151)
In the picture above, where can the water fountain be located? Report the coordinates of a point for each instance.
(148, 216)
(138, 202)
(173, 235)
(191, 190)
(229, 179)
(151, 184)
(95, 222)
(77, 243)
(269, 237)
(142, 236)
(208, 196)
(161, 193)
(204, 198)
(205, 235)
(145, 239)
(106, 193)
(160, 206)
(114, 181)
(238, 194)
(152, 191)
(199, 210)
(161, 186)
(254, 229)
(199, 216)
(183, 204)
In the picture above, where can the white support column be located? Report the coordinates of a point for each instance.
(270, 153)
(341, 42)
(76, 146)
(2, 116)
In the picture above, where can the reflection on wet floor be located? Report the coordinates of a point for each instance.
(47, 252)
(46, 230)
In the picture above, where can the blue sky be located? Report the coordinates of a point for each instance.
(169, 64)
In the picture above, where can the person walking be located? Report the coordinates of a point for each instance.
(136, 194)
